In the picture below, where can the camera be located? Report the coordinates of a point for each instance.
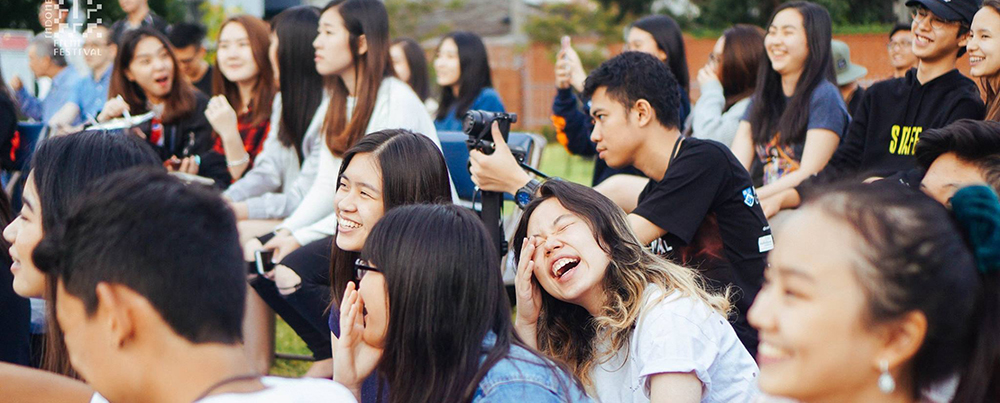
(478, 126)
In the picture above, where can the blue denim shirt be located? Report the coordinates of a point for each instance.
(90, 95)
(523, 377)
(63, 86)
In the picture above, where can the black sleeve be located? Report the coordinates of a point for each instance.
(213, 166)
(967, 108)
(578, 127)
(679, 203)
(8, 126)
(196, 126)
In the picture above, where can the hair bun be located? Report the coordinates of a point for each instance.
(977, 210)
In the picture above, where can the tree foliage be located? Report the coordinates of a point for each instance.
(23, 14)
(719, 14)
(596, 26)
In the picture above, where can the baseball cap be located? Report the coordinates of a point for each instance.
(847, 72)
(950, 10)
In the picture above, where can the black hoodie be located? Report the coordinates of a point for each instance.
(886, 127)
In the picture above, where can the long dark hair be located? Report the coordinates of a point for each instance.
(915, 258)
(991, 84)
(5, 92)
(741, 55)
(445, 294)
(669, 39)
(299, 80)
(770, 114)
(61, 168)
(179, 103)
(368, 18)
(263, 88)
(417, 61)
(413, 171)
(474, 66)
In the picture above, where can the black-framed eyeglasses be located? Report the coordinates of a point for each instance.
(361, 268)
(919, 14)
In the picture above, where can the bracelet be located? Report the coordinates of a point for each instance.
(242, 161)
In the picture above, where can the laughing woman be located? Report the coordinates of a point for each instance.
(243, 85)
(632, 326)
(984, 54)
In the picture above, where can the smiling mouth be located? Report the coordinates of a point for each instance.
(974, 60)
(348, 224)
(563, 266)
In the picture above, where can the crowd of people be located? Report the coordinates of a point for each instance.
(790, 236)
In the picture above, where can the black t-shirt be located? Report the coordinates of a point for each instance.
(707, 205)
(205, 83)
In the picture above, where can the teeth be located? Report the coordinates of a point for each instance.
(557, 267)
(348, 223)
(975, 59)
(770, 351)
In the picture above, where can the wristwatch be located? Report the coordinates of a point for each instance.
(526, 193)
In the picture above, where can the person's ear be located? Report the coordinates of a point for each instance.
(201, 52)
(128, 75)
(901, 340)
(963, 40)
(644, 113)
(362, 44)
(113, 308)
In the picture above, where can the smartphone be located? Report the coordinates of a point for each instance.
(565, 44)
(263, 260)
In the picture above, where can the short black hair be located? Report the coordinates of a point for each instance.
(184, 34)
(632, 76)
(901, 26)
(174, 244)
(974, 141)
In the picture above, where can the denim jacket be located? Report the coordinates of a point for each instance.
(524, 377)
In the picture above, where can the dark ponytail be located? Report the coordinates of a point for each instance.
(977, 211)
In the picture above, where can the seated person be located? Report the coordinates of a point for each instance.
(148, 318)
(699, 207)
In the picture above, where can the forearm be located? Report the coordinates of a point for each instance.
(788, 181)
(23, 384)
(237, 158)
(527, 332)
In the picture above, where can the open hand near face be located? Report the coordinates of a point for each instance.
(529, 296)
(354, 359)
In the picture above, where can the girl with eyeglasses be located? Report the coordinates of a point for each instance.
(430, 316)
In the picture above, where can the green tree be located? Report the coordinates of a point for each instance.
(601, 26)
(720, 14)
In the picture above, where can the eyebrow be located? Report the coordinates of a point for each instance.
(30, 204)
(595, 111)
(362, 184)
(793, 272)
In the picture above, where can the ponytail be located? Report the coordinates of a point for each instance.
(977, 211)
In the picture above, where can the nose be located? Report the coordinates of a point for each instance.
(595, 134)
(10, 232)
(346, 203)
(921, 24)
(551, 244)
(761, 314)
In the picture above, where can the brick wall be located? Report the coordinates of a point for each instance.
(524, 76)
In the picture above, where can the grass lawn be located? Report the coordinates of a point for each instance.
(556, 162)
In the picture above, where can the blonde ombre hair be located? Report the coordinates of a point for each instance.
(568, 332)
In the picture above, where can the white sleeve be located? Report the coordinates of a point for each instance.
(708, 119)
(671, 337)
(318, 202)
(97, 398)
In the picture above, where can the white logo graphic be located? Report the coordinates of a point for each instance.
(75, 19)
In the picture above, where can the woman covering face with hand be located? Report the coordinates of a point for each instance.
(430, 316)
(632, 326)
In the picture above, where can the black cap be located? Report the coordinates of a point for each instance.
(950, 10)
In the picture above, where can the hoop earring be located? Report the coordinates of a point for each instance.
(885, 382)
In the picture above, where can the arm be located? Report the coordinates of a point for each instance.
(30, 106)
(575, 131)
(819, 147)
(743, 144)
(265, 176)
(280, 205)
(645, 230)
(674, 387)
(318, 202)
(223, 119)
(23, 384)
(709, 121)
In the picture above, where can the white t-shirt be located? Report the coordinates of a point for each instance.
(679, 334)
(396, 106)
(285, 390)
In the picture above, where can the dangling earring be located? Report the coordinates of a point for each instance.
(885, 382)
